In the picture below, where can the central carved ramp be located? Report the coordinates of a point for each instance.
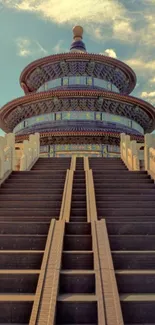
(77, 301)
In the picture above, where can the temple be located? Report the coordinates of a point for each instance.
(77, 189)
(79, 103)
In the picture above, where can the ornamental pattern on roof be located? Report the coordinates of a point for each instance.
(77, 96)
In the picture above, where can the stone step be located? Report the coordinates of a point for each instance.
(78, 211)
(29, 228)
(76, 310)
(125, 204)
(52, 168)
(30, 218)
(17, 260)
(78, 228)
(79, 185)
(37, 175)
(76, 219)
(138, 309)
(43, 186)
(53, 164)
(78, 204)
(79, 189)
(126, 191)
(22, 242)
(136, 282)
(80, 283)
(134, 260)
(54, 159)
(123, 177)
(37, 181)
(77, 242)
(44, 212)
(124, 185)
(131, 228)
(30, 191)
(15, 312)
(17, 297)
(131, 242)
(77, 260)
(124, 172)
(18, 283)
(79, 197)
(77, 297)
(31, 204)
(29, 197)
(106, 167)
(110, 212)
(118, 181)
(125, 197)
(128, 218)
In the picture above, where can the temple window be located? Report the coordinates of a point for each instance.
(65, 81)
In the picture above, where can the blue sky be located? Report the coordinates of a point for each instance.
(31, 29)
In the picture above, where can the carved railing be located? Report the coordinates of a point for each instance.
(132, 155)
(149, 154)
(7, 154)
(131, 152)
(18, 156)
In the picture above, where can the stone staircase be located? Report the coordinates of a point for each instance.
(127, 201)
(79, 284)
(28, 201)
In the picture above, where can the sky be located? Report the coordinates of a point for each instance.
(31, 29)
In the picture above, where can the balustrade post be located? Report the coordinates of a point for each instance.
(10, 138)
(134, 154)
(121, 145)
(24, 158)
(32, 145)
(127, 146)
(2, 157)
(37, 139)
(149, 143)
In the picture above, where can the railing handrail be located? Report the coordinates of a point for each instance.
(18, 156)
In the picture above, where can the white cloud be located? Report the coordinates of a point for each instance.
(145, 94)
(152, 80)
(72, 10)
(141, 65)
(23, 46)
(94, 14)
(110, 52)
(149, 96)
(97, 33)
(59, 48)
(98, 16)
(123, 30)
(27, 47)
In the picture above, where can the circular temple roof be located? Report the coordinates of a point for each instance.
(54, 101)
(70, 64)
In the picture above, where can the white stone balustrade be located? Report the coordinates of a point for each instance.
(131, 153)
(7, 154)
(149, 154)
(30, 151)
(18, 156)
